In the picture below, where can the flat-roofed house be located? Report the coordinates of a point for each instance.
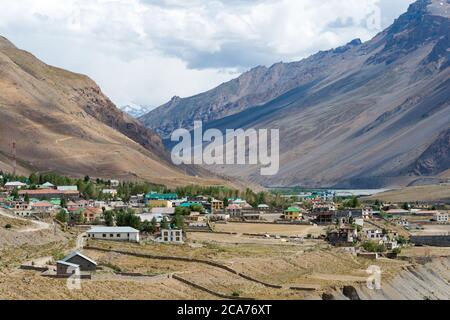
(293, 214)
(67, 188)
(440, 217)
(22, 209)
(171, 236)
(14, 185)
(110, 192)
(160, 203)
(114, 233)
(42, 207)
(50, 194)
(217, 205)
(92, 214)
(234, 210)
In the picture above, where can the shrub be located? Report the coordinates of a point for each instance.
(372, 246)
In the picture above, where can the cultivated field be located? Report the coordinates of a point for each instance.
(432, 230)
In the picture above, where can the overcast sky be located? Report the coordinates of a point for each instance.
(146, 51)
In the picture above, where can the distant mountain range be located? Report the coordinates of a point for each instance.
(370, 114)
(62, 122)
(136, 110)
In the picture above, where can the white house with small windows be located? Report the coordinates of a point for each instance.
(114, 234)
(171, 236)
(374, 234)
(440, 217)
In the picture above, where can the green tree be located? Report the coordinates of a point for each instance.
(128, 219)
(62, 216)
(15, 194)
(148, 227)
(63, 203)
(108, 216)
(27, 198)
(164, 223)
(178, 221)
(182, 211)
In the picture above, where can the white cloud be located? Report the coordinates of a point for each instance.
(145, 51)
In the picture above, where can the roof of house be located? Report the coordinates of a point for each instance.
(293, 209)
(233, 207)
(93, 210)
(67, 264)
(48, 184)
(112, 230)
(67, 188)
(159, 196)
(15, 183)
(163, 210)
(42, 204)
(76, 253)
(263, 206)
(47, 192)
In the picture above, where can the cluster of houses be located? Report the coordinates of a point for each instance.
(312, 208)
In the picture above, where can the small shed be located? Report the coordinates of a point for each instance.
(64, 268)
(85, 263)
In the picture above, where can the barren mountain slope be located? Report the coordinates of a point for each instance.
(61, 121)
(364, 115)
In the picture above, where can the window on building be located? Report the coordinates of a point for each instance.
(104, 235)
(111, 235)
(118, 235)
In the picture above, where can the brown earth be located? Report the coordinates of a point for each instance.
(429, 193)
(62, 122)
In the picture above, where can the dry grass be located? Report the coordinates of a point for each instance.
(412, 194)
(29, 285)
(14, 223)
(271, 229)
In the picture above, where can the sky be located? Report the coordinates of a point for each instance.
(146, 51)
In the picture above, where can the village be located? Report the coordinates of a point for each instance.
(110, 216)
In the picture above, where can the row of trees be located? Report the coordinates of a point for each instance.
(128, 218)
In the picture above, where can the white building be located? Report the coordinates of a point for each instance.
(171, 236)
(114, 233)
(359, 222)
(15, 185)
(374, 234)
(47, 185)
(110, 192)
(150, 216)
(441, 217)
(67, 188)
(115, 183)
(367, 213)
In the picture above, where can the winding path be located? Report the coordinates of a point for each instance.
(37, 225)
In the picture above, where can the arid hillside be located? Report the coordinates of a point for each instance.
(61, 121)
(363, 115)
